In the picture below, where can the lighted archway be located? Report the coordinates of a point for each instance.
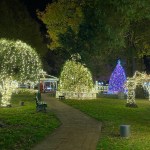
(131, 84)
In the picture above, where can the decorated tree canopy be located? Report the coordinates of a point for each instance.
(117, 80)
(75, 77)
(18, 61)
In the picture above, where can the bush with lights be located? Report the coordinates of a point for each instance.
(75, 77)
(18, 62)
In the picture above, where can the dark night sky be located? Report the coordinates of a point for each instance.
(33, 5)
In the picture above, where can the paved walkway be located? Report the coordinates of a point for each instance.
(77, 132)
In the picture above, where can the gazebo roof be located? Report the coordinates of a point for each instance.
(44, 76)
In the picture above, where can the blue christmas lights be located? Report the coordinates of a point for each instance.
(117, 80)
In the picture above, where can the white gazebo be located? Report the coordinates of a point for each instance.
(48, 83)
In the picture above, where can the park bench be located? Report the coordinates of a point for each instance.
(61, 97)
(40, 105)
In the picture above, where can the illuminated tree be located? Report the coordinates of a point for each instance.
(117, 80)
(75, 77)
(18, 61)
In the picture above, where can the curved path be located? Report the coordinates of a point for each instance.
(77, 132)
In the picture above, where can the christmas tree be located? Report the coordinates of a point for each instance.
(117, 80)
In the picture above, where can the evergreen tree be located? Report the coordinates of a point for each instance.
(117, 80)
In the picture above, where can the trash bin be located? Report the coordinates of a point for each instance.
(124, 130)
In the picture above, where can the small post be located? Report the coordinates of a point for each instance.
(38, 94)
(124, 130)
(22, 103)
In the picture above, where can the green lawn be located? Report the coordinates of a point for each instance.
(22, 126)
(112, 113)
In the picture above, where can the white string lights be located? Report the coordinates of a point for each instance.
(131, 84)
(146, 86)
(18, 61)
(7, 88)
(75, 81)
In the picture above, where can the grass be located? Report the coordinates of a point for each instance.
(22, 127)
(113, 113)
